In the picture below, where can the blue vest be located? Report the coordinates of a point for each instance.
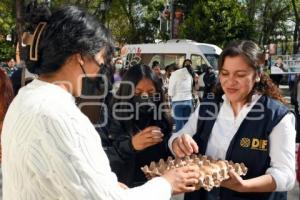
(249, 145)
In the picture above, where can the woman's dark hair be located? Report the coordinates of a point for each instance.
(6, 96)
(185, 61)
(134, 75)
(189, 68)
(253, 55)
(68, 31)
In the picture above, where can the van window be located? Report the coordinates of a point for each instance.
(198, 61)
(173, 58)
(213, 60)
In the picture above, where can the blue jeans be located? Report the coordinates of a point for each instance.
(181, 110)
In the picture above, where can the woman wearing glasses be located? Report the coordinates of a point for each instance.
(50, 148)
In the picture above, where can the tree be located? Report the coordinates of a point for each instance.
(217, 22)
(296, 35)
(134, 21)
(271, 19)
(7, 26)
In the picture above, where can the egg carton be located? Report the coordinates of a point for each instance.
(212, 172)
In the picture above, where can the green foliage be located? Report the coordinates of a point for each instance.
(6, 17)
(7, 51)
(211, 21)
(217, 22)
(134, 21)
(7, 26)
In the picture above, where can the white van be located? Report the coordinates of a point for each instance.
(173, 52)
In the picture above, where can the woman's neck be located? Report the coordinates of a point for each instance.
(237, 107)
(59, 81)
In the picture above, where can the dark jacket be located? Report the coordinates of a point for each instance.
(209, 80)
(124, 160)
(249, 145)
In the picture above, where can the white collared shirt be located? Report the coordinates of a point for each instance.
(281, 139)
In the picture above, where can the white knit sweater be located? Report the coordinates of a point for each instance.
(52, 151)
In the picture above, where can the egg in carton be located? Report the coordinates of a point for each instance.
(212, 172)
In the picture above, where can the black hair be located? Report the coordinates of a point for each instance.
(254, 56)
(190, 69)
(69, 30)
(155, 63)
(186, 60)
(134, 75)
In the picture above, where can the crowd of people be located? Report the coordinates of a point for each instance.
(51, 150)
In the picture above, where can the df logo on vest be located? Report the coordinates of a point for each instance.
(254, 143)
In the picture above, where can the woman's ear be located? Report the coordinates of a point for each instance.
(79, 58)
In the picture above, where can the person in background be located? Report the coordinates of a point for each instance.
(209, 80)
(247, 122)
(295, 100)
(276, 71)
(156, 69)
(117, 67)
(10, 67)
(118, 64)
(180, 91)
(51, 150)
(137, 128)
(170, 69)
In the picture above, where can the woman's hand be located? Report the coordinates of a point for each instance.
(147, 137)
(184, 145)
(235, 182)
(263, 183)
(123, 186)
(183, 179)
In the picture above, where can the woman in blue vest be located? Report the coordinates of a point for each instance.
(247, 122)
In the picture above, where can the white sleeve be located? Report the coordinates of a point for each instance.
(282, 153)
(171, 86)
(69, 163)
(189, 128)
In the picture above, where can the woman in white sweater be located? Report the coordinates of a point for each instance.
(51, 150)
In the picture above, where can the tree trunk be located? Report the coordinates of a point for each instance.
(262, 37)
(19, 26)
(251, 4)
(127, 7)
(296, 30)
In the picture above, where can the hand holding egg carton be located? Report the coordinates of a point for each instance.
(212, 172)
